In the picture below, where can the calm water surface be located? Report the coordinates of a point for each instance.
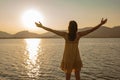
(39, 59)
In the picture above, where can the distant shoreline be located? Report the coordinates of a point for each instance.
(102, 32)
(53, 38)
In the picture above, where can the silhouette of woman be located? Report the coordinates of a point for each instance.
(71, 58)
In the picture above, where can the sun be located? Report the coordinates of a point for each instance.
(29, 17)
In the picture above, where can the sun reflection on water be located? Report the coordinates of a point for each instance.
(32, 49)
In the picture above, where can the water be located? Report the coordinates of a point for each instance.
(39, 59)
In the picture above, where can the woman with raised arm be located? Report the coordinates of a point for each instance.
(71, 58)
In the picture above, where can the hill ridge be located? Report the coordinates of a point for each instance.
(102, 32)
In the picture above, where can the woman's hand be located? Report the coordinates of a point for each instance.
(103, 21)
(39, 24)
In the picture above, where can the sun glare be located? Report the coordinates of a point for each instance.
(33, 50)
(29, 18)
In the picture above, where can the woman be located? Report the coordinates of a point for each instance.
(71, 58)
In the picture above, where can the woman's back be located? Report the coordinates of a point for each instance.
(71, 57)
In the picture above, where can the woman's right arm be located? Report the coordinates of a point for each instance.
(83, 33)
(60, 33)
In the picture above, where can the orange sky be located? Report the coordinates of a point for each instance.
(58, 13)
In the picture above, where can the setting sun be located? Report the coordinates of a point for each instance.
(29, 18)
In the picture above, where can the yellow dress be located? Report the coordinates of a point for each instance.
(71, 58)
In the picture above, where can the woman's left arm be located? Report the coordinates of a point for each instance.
(60, 33)
(83, 33)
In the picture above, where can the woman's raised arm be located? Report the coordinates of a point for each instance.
(83, 33)
(60, 33)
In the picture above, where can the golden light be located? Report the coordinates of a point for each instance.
(29, 18)
(32, 50)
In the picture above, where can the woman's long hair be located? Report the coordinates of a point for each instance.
(72, 28)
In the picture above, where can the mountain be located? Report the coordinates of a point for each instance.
(25, 34)
(4, 34)
(102, 32)
(105, 32)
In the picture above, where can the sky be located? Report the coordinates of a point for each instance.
(58, 13)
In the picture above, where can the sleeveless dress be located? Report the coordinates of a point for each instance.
(71, 60)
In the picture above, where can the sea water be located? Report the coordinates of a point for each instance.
(39, 59)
